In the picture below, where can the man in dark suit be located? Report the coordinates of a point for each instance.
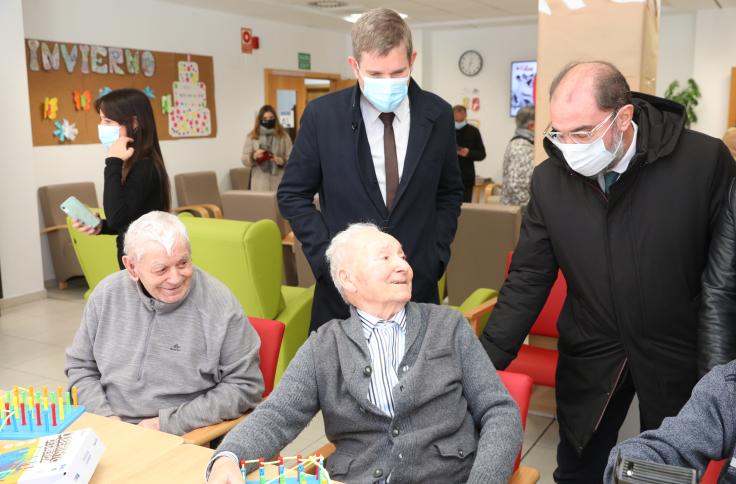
(381, 152)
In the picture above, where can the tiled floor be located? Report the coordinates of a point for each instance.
(33, 337)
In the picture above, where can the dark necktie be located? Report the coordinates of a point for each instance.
(609, 179)
(390, 158)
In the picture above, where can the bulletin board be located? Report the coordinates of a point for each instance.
(65, 79)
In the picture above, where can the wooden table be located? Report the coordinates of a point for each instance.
(139, 455)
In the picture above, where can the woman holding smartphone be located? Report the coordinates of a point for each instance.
(266, 151)
(136, 181)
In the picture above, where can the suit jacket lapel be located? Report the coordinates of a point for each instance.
(420, 129)
(363, 157)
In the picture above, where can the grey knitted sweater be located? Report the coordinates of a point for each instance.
(704, 430)
(191, 363)
(454, 420)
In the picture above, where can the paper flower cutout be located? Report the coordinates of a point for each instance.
(166, 104)
(50, 107)
(103, 91)
(148, 91)
(82, 101)
(65, 131)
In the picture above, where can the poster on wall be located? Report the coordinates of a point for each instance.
(65, 79)
(523, 85)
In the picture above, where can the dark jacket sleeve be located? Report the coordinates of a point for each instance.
(478, 150)
(448, 199)
(717, 324)
(532, 273)
(123, 202)
(302, 180)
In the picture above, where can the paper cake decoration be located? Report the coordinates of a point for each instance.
(189, 116)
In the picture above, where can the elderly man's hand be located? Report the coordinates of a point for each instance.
(150, 423)
(225, 471)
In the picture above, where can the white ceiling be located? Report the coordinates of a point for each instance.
(422, 13)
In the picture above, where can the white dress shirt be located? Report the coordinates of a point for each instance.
(374, 131)
(623, 164)
(386, 341)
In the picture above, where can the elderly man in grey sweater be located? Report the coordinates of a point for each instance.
(406, 390)
(163, 344)
(703, 431)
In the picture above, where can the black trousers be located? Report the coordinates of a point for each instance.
(588, 468)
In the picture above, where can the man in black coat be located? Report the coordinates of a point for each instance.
(625, 206)
(469, 149)
(381, 152)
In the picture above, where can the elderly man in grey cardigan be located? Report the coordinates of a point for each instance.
(163, 344)
(406, 391)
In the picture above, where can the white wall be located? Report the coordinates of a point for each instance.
(714, 56)
(676, 46)
(20, 261)
(162, 26)
(499, 45)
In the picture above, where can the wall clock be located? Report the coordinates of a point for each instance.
(470, 63)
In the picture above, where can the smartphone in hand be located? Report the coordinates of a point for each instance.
(77, 210)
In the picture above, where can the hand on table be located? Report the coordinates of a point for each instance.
(120, 149)
(86, 229)
(150, 423)
(225, 471)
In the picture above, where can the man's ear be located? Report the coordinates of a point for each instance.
(346, 281)
(131, 266)
(625, 117)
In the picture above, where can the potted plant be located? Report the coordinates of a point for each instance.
(687, 96)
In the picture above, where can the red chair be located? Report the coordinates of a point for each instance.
(519, 387)
(541, 363)
(271, 334)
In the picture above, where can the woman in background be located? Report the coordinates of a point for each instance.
(266, 151)
(136, 181)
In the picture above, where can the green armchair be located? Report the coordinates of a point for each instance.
(97, 254)
(247, 258)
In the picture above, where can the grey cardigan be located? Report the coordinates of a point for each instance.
(191, 363)
(454, 422)
(704, 430)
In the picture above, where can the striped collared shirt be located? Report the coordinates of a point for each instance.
(386, 340)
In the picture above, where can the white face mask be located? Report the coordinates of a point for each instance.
(108, 134)
(590, 159)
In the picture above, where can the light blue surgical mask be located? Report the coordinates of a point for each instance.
(460, 125)
(386, 94)
(108, 134)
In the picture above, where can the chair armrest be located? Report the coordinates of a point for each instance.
(525, 475)
(473, 315)
(196, 210)
(52, 228)
(289, 239)
(205, 435)
(214, 209)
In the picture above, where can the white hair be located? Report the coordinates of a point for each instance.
(339, 250)
(161, 227)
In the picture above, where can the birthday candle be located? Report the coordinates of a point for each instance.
(60, 391)
(67, 402)
(242, 468)
(261, 472)
(74, 395)
(45, 392)
(15, 423)
(7, 412)
(15, 392)
(282, 477)
(30, 420)
(15, 407)
(23, 414)
(319, 463)
(46, 420)
(30, 395)
(53, 414)
(61, 407)
(38, 414)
